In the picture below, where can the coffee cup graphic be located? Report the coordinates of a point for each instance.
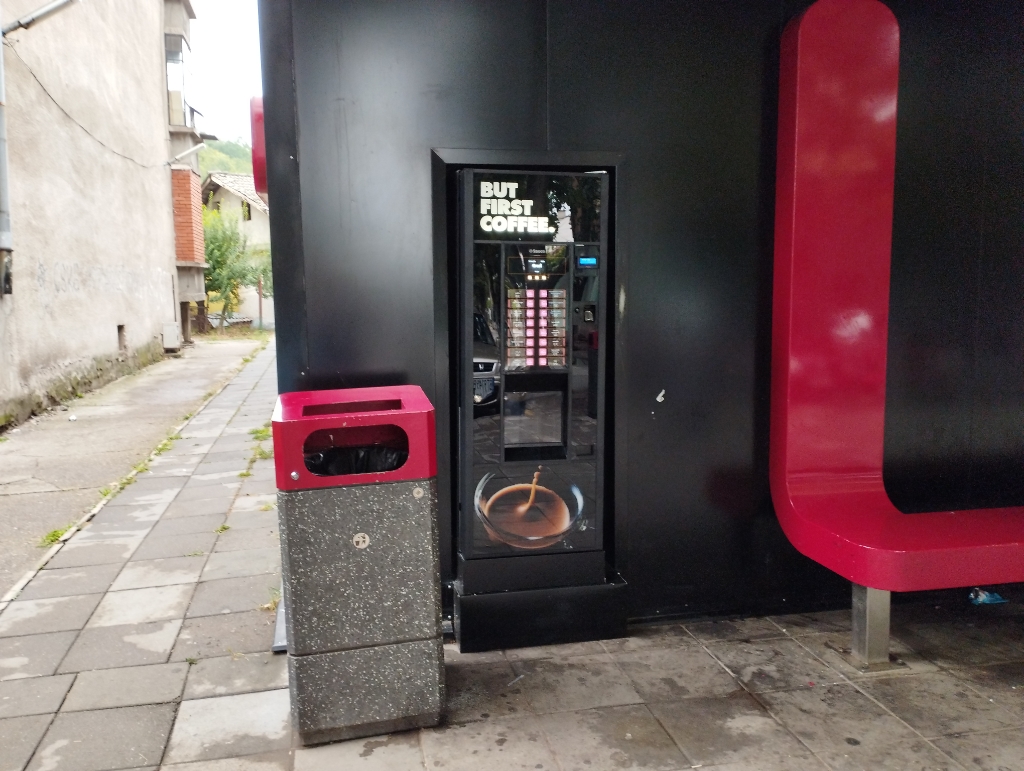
(527, 515)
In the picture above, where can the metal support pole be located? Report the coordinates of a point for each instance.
(6, 239)
(871, 625)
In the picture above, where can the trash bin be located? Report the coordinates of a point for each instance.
(357, 498)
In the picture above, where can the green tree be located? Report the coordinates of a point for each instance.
(222, 155)
(232, 264)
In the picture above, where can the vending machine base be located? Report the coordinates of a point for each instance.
(518, 619)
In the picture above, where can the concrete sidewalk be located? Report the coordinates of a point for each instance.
(144, 644)
(166, 597)
(52, 469)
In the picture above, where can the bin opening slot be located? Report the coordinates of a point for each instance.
(343, 408)
(355, 450)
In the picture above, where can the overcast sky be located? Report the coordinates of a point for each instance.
(225, 66)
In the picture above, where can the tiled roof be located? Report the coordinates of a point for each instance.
(239, 184)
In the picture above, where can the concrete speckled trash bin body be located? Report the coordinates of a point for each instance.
(361, 566)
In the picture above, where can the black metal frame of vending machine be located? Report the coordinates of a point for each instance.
(533, 334)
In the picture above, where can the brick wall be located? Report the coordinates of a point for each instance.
(188, 215)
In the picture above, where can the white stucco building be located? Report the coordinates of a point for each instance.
(235, 196)
(91, 132)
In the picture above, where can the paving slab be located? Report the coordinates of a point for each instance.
(57, 614)
(33, 696)
(100, 740)
(952, 642)
(19, 737)
(80, 553)
(773, 664)
(226, 490)
(233, 633)
(35, 655)
(227, 675)
(612, 737)
(225, 726)
(249, 539)
(126, 687)
(248, 562)
(162, 546)
(939, 704)
(207, 523)
(650, 636)
(997, 751)
(480, 691)
(114, 513)
(68, 582)
(140, 606)
(850, 731)
(574, 682)
(248, 520)
(189, 509)
(267, 761)
(554, 651)
(745, 629)
(727, 729)
(235, 595)
(795, 624)
(495, 745)
(120, 646)
(394, 752)
(1002, 684)
(159, 572)
(670, 674)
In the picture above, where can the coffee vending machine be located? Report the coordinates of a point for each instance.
(531, 535)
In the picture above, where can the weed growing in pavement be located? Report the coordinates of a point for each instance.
(267, 507)
(174, 438)
(262, 454)
(105, 491)
(222, 529)
(275, 598)
(54, 535)
(190, 660)
(141, 468)
(262, 433)
(245, 474)
(195, 554)
(4, 439)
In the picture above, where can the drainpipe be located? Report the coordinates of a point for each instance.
(6, 238)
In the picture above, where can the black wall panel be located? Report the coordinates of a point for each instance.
(685, 93)
(955, 397)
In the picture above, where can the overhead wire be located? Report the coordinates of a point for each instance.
(70, 117)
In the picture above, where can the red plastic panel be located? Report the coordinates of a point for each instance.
(365, 414)
(833, 237)
(259, 145)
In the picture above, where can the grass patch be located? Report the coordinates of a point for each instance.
(54, 535)
(261, 434)
(245, 474)
(222, 529)
(236, 332)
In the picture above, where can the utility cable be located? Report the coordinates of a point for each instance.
(70, 117)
